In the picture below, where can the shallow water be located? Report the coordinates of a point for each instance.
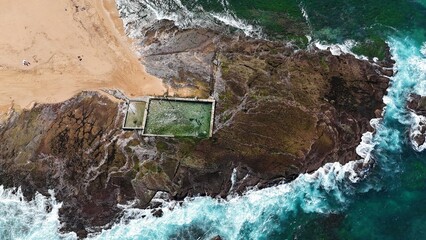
(178, 118)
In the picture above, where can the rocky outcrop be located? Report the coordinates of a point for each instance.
(280, 112)
(182, 58)
(417, 104)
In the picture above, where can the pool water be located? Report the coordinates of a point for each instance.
(178, 118)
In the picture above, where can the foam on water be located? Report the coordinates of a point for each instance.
(423, 49)
(307, 20)
(138, 16)
(232, 21)
(415, 131)
(338, 49)
(257, 210)
(35, 219)
(418, 64)
(411, 67)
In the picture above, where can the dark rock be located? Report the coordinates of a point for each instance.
(417, 104)
(183, 60)
(157, 212)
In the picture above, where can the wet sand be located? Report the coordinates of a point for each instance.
(71, 45)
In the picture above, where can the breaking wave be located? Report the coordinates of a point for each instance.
(417, 64)
(338, 49)
(138, 16)
(34, 219)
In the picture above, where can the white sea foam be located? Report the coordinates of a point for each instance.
(308, 22)
(35, 219)
(336, 49)
(423, 49)
(231, 20)
(411, 68)
(415, 131)
(233, 179)
(138, 16)
(339, 49)
(304, 14)
(418, 121)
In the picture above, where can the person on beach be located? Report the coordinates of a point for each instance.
(26, 63)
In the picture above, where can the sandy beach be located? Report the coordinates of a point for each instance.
(71, 46)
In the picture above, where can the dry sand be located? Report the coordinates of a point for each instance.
(51, 35)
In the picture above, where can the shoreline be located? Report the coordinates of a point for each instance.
(72, 46)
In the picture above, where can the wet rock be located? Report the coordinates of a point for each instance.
(417, 104)
(183, 58)
(157, 212)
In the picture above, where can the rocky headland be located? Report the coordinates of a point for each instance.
(280, 111)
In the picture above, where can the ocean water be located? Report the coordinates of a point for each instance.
(384, 198)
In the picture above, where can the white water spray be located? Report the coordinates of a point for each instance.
(138, 16)
(34, 219)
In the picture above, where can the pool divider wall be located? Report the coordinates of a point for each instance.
(148, 101)
(212, 117)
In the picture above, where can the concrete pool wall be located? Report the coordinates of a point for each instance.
(174, 117)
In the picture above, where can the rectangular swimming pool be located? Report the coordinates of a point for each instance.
(179, 117)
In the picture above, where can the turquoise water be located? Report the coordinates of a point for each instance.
(383, 201)
(36, 219)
